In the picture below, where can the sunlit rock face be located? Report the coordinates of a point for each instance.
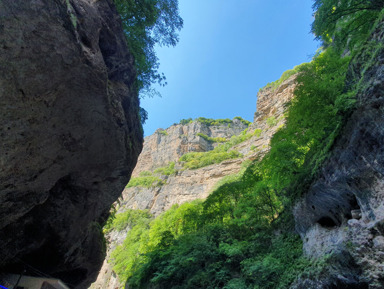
(70, 133)
(169, 145)
(342, 215)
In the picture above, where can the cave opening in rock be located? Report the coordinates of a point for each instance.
(327, 222)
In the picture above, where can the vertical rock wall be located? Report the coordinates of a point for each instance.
(342, 215)
(70, 133)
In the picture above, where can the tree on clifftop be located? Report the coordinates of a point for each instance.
(147, 23)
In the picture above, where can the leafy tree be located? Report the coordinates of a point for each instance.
(147, 23)
(344, 23)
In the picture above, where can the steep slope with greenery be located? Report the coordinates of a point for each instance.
(161, 180)
(242, 235)
(234, 239)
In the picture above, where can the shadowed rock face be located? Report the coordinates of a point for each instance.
(70, 133)
(343, 212)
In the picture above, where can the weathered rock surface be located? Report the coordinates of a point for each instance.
(343, 212)
(70, 133)
(169, 145)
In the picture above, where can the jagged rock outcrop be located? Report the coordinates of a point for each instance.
(169, 145)
(342, 215)
(70, 133)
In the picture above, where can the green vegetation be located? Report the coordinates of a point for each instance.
(257, 132)
(287, 74)
(213, 122)
(246, 122)
(212, 139)
(271, 121)
(126, 219)
(146, 24)
(145, 180)
(195, 160)
(185, 121)
(162, 132)
(242, 235)
(345, 24)
(167, 170)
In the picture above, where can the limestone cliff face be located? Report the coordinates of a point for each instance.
(70, 133)
(169, 145)
(342, 214)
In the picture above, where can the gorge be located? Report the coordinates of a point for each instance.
(293, 199)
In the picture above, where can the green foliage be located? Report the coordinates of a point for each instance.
(345, 24)
(146, 24)
(185, 121)
(145, 174)
(257, 132)
(145, 180)
(211, 139)
(195, 160)
(213, 122)
(147, 234)
(129, 218)
(162, 132)
(287, 74)
(167, 170)
(246, 122)
(271, 121)
(242, 235)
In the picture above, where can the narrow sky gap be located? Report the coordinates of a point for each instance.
(228, 50)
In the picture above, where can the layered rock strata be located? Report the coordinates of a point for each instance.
(70, 133)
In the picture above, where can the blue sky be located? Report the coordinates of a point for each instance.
(228, 50)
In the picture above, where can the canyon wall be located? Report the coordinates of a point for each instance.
(168, 145)
(341, 217)
(70, 133)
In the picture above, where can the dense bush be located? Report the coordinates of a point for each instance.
(211, 139)
(212, 122)
(146, 180)
(146, 24)
(195, 160)
(167, 170)
(185, 121)
(128, 219)
(287, 74)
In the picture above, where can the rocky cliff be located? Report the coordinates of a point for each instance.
(70, 133)
(341, 217)
(168, 145)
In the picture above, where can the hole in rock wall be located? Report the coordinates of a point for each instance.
(343, 285)
(327, 222)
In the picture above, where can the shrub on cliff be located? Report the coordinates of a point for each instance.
(145, 180)
(167, 170)
(147, 23)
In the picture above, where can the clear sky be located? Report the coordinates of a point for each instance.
(228, 50)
